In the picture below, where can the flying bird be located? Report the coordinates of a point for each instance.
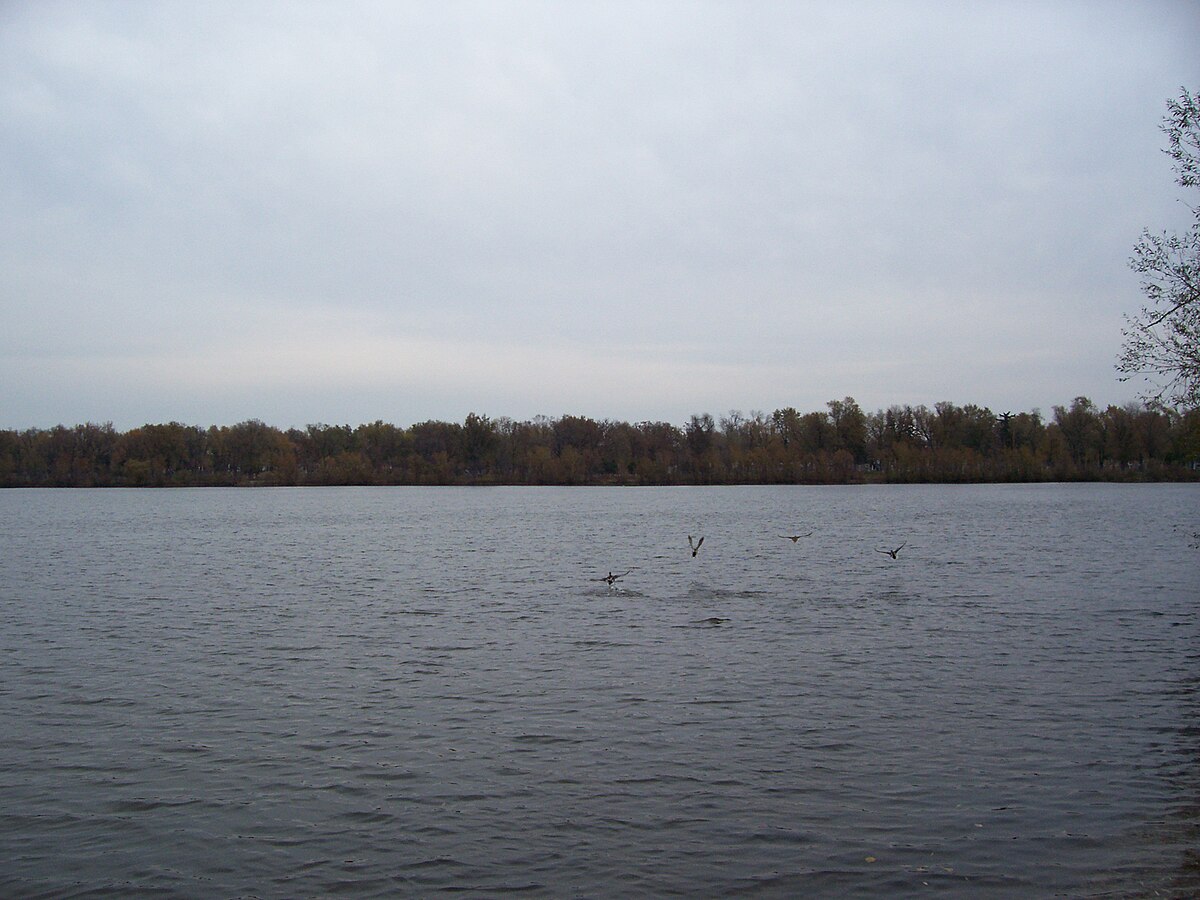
(892, 553)
(795, 537)
(696, 546)
(612, 579)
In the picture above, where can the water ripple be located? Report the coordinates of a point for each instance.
(231, 693)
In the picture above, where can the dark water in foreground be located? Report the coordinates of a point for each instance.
(408, 691)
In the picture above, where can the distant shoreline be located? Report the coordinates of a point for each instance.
(841, 445)
(251, 486)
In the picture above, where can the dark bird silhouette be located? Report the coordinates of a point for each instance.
(795, 537)
(892, 553)
(696, 546)
(612, 579)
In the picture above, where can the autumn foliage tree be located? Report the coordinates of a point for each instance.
(836, 445)
(1162, 342)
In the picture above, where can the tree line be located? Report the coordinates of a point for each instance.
(840, 444)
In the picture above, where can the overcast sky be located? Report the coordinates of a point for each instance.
(339, 212)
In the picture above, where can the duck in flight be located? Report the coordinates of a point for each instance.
(696, 546)
(613, 579)
(795, 537)
(892, 553)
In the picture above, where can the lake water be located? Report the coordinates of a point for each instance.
(407, 691)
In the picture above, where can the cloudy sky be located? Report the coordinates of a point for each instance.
(343, 211)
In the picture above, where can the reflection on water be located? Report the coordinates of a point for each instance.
(397, 691)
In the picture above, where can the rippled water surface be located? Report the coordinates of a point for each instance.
(381, 692)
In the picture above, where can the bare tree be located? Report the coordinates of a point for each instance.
(1162, 342)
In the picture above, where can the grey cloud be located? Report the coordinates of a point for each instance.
(802, 186)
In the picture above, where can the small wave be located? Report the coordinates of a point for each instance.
(197, 749)
(120, 702)
(386, 775)
(541, 739)
(449, 648)
(288, 648)
(779, 836)
(660, 779)
(698, 591)
(368, 817)
(142, 804)
(436, 862)
(281, 842)
(630, 593)
(716, 701)
(114, 768)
